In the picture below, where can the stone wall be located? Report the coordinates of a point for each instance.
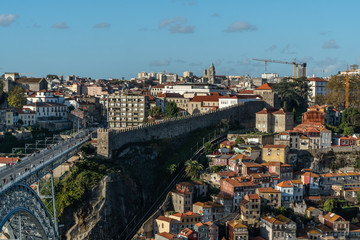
(110, 140)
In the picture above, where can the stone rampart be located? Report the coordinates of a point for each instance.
(112, 139)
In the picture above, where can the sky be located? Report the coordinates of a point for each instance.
(119, 38)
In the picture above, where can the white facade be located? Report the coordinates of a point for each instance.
(317, 87)
(44, 96)
(235, 100)
(48, 110)
(188, 74)
(269, 75)
(27, 117)
(196, 89)
(290, 191)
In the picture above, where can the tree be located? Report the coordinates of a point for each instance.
(20, 122)
(208, 148)
(171, 110)
(88, 148)
(295, 92)
(17, 97)
(193, 168)
(155, 111)
(336, 91)
(350, 121)
(172, 168)
(239, 140)
(71, 107)
(330, 205)
(358, 196)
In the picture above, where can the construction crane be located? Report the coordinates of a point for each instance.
(301, 66)
(347, 88)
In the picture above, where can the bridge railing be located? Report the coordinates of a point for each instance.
(37, 168)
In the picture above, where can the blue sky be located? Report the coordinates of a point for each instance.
(103, 39)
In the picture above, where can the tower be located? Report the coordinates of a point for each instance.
(211, 74)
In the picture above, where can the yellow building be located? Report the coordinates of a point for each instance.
(275, 153)
(166, 224)
(237, 230)
(9, 118)
(187, 220)
(269, 197)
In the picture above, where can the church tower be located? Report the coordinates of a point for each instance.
(211, 74)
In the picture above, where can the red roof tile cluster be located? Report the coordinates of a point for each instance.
(274, 146)
(265, 86)
(212, 98)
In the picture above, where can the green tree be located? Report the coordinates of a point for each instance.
(330, 205)
(155, 111)
(17, 97)
(348, 130)
(295, 92)
(88, 148)
(20, 122)
(171, 110)
(208, 148)
(239, 140)
(358, 196)
(350, 121)
(71, 107)
(172, 168)
(336, 91)
(193, 168)
(357, 163)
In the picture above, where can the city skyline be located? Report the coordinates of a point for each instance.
(120, 39)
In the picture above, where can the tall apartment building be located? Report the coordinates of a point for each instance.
(126, 110)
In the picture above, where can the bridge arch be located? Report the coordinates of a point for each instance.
(21, 208)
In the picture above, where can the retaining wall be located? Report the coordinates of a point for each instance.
(110, 140)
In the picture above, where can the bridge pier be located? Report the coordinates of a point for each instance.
(46, 185)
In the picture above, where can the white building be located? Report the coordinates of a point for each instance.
(27, 116)
(188, 74)
(44, 96)
(231, 100)
(194, 89)
(45, 110)
(317, 87)
(291, 191)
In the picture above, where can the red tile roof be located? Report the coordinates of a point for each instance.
(4, 160)
(166, 235)
(246, 92)
(212, 98)
(268, 110)
(274, 146)
(268, 190)
(265, 86)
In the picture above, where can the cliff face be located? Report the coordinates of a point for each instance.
(121, 195)
(107, 210)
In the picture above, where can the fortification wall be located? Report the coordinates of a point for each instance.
(110, 140)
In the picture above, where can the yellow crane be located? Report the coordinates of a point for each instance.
(347, 88)
(302, 69)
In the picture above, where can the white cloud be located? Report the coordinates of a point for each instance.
(240, 27)
(160, 63)
(60, 25)
(102, 25)
(178, 28)
(331, 44)
(166, 22)
(7, 19)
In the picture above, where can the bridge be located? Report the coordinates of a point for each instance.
(23, 213)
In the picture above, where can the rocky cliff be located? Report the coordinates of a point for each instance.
(109, 206)
(140, 173)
